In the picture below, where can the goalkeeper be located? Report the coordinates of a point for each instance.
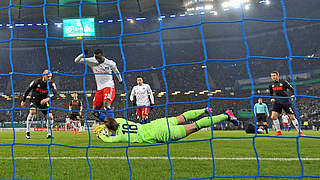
(120, 130)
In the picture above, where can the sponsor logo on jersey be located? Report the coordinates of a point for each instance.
(277, 88)
(42, 90)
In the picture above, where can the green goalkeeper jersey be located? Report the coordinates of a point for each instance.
(156, 131)
(122, 134)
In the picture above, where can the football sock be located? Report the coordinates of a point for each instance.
(266, 128)
(296, 124)
(192, 114)
(29, 119)
(48, 126)
(206, 121)
(276, 124)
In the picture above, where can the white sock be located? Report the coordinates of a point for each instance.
(30, 118)
(277, 124)
(48, 126)
(296, 124)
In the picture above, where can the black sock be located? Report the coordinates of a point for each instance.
(266, 128)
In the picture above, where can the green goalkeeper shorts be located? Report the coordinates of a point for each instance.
(157, 131)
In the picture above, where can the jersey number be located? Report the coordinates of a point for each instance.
(129, 128)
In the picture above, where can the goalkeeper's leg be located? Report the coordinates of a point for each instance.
(181, 131)
(192, 114)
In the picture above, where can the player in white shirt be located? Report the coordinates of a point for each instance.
(142, 96)
(103, 68)
(285, 121)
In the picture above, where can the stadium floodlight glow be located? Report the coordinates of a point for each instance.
(39, 24)
(191, 14)
(141, 19)
(29, 24)
(199, 8)
(225, 4)
(0, 25)
(202, 13)
(45, 24)
(247, 7)
(119, 20)
(101, 21)
(8, 25)
(59, 25)
(163, 17)
(190, 9)
(267, 2)
(172, 16)
(208, 7)
(130, 20)
(235, 3)
(110, 21)
(182, 15)
(19, 25)
(214, 13)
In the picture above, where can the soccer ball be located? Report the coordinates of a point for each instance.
(260, 131)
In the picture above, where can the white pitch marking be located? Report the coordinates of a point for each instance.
(162, 158)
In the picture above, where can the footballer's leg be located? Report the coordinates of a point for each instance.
(206, 121)
(181, 131)
(97, 104)
(295, 123)
(108, 97)
(49, 125)
(276, 123)
(192, 114)
(31, 116)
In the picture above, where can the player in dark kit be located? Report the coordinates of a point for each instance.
(280, 88)
(39, 100)
(75, 105)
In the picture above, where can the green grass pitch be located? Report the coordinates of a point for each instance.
(233, 157)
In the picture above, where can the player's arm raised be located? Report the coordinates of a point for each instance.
(30, 87)
(90, 61)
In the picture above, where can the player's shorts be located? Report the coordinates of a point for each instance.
(143, 111)
(285, 124)
(261, 117)
(35, 103)
(157, 131)
(105, 94)
(75, 116)
(279, 106)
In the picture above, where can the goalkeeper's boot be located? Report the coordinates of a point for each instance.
(28, 135)
(231, 117)
(277, 133)
(302, 134)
